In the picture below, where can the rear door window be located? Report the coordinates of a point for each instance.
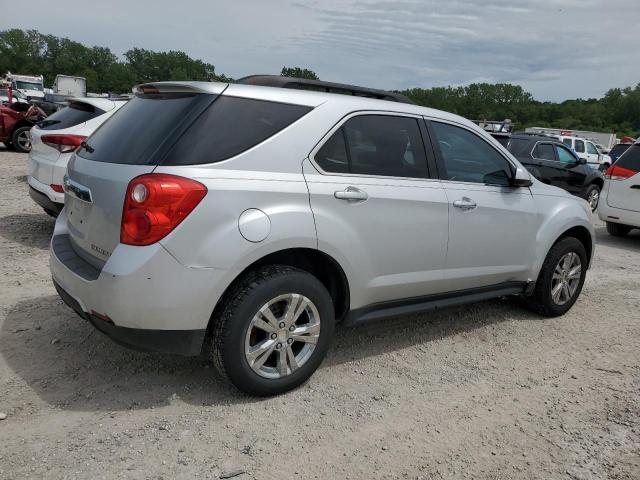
(579, 146)
(380, 145)
(75, 114)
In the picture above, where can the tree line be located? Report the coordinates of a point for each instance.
(31, 52)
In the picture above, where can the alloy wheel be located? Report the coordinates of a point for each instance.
(593, 198)
(23, 139)
(566, 278)
(282, 336)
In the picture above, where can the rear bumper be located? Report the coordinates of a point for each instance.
(607, 213)
(44, 201)
(180, 342)
(141, 297)
(55, 197)
(618, 215)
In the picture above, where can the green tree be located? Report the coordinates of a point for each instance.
(297, 72)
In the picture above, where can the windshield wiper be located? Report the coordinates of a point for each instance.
(87, 147)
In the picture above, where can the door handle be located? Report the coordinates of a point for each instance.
(351, 194)
(465, 204)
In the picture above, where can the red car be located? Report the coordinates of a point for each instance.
(16, 120)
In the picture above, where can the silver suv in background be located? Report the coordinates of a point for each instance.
(243, 221)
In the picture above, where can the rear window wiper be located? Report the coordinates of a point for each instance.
(87, 147)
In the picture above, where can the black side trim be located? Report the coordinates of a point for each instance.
(408, 306)
(180, 342)
(44, 201)
(63, 250)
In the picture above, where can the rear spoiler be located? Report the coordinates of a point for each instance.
(180, 87)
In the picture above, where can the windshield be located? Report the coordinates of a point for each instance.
(28, 86)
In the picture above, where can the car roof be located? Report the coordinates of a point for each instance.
(310, 98)
(323, 86)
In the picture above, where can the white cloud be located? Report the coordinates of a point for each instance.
(557, 49)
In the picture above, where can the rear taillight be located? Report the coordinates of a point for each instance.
(64, 143)
(616, 172)
(57, 188)
(155, 204)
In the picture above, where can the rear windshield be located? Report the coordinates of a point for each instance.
(630, 159)
(187, 129)
(135, 132)
(519, 146)
(619, 149)
(75, 114)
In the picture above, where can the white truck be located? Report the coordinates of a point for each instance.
(587, 150)
(29, 85)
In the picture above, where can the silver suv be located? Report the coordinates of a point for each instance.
(244, 221)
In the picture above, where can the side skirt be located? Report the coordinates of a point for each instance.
(395, 308)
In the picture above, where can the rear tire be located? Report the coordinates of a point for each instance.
(20, 140)
(239, 329)
(543, 300)
(617, 229)
(592, 196)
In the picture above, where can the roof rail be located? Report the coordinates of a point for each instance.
(321, 86)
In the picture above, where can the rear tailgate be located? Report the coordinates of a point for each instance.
(130, 144)
(94, 197)
(624, 182)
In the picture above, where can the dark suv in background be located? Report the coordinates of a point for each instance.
(552, 162)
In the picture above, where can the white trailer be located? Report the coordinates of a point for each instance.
(68, 85)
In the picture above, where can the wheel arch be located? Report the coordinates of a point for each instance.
(599, 182)
(20, 124)
(582, 234)
(316, 262)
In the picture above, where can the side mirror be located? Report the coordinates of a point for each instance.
(582, 161)
(522, 178)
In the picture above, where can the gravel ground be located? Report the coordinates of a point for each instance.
(489, 391)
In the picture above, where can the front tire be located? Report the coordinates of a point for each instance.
(21, 140)
(561, 278)
(617, 229)
(272, 330)
(592, 196)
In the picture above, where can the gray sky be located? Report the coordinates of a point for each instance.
(556, 49)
